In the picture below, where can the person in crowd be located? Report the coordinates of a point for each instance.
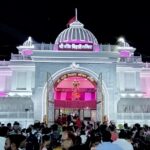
(55, 135)
(16, 128)
(32, 140)
(3, 134)
(83, 137)
(59, 120)
(45, 143)
(69, 119)
(9, 127)
(12, 142)
(95, 140)
(124, 140)
(22, 140)
(78, 122)
(114, 134)
(67, 140)
(126, 127)
(107, 142)
(64, 119)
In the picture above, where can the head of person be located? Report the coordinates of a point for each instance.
(67, 140)
(46, 141)
(9, 125)
(106, 136)
(125, 125)
(122, 134)
(22, 141)
(12, 142)
(95, 141)
(3, 131)
(16, 126)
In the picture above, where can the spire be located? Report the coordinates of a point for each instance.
(76, 14)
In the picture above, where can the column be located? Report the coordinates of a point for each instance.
(121, 80)
(28, 81)
(137, 81)
(14, 80)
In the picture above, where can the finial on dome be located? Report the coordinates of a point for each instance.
(122, 42)
(76, 14)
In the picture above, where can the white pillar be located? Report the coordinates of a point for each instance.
(37, 99)
(138, 88)
(121, 80)
(29, 81)
(14, 81)
(51, 108)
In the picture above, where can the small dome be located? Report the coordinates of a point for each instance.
(76, 34)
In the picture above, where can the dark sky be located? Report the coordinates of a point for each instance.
(44, 20)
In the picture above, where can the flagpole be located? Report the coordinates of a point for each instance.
(76, 14)
(47, 99)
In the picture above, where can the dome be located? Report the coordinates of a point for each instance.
(78, 36)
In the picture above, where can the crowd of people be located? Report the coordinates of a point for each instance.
(70, 133)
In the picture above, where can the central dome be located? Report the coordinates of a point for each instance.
(78, 36)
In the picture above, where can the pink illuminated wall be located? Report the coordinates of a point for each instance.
(124, 53)
(68, 83)
(86, 92)
(3, 94)
(145, 85)
(27, 52)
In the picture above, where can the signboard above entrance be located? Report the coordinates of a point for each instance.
(76, 46)
(75, 74)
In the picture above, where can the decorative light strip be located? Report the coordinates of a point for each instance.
(131, 95)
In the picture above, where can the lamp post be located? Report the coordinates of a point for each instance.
(26, 110)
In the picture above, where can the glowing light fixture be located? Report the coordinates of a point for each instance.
(121, 40)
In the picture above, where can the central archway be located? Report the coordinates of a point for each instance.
(48, 108)
(75, 93)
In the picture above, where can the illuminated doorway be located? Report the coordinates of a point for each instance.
(75, 93)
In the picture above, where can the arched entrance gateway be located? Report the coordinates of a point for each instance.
(76, 93)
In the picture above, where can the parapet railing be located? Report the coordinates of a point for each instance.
(20, 57)
(4, 63)
(7, 115)
(133, 116)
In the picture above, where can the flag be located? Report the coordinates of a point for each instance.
(71, 21)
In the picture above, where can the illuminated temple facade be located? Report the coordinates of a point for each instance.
(78, 75)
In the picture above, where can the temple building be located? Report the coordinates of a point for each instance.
(75, 75)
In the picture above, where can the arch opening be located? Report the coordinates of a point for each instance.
(102, 102)
(75, 93)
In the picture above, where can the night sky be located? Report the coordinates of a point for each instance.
(44, 20)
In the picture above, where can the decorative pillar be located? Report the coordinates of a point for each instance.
(29, 80)
(99, 106)
(138, 80)
(14, 80)
(121, 80)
